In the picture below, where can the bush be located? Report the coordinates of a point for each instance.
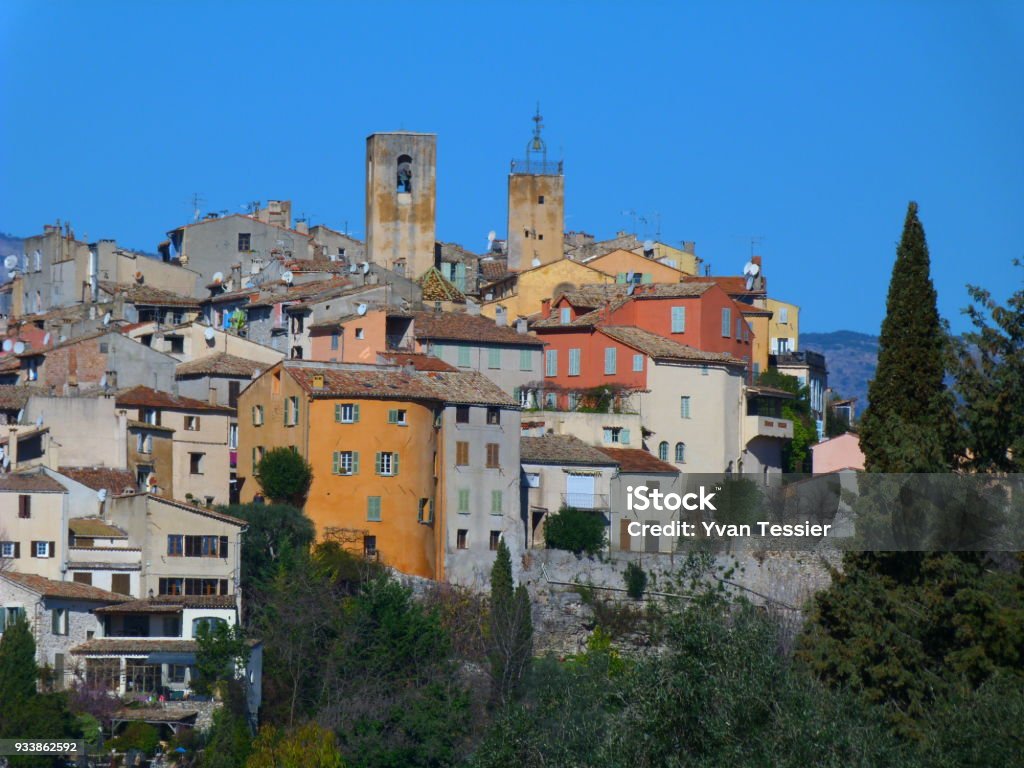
(636, 581)
(284, 475)
(574, 530)
(141, 736)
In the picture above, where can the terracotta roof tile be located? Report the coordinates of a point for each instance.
(437, 288)
(70, 590)
(114, 481)
(148, 295)
(661, 348)
(309, 293)
(220, 364)
(133, 645)
(15, 397)
(94, 527)
(146, 397)
(636, 460)
(458, 326)
(493, 269)
(733, 285)
(195, 509)
(561, 449)
(417, 360)
(35, 481)
(170, 604)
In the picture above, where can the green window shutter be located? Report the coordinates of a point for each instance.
(647, 277)
(496, 502)
(392, 417)
(574, 362)
(394, 463)
(463, 356)
(355, 413)
(552, 362)
(377, 463)
(355, 462)
(624, 437)
(525, 360)
(464, 500)
(55, 621)
(620, 277)
(337, 412)
(336, 463)
(494, 357)
(373, 509)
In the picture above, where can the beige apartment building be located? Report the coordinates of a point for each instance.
(33, 524)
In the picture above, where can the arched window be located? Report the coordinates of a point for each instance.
(404, 174)
(680, 453)
(663, 451)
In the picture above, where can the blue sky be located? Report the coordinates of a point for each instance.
(807, 124)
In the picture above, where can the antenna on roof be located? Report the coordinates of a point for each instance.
(196, 202)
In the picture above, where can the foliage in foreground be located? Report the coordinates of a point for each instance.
(284, 475)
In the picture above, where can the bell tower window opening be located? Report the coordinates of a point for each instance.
(404, 174)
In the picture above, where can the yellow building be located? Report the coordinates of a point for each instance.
(759, 320)
(522, 294)
(681, 259)
(620, 264)
(784, 326)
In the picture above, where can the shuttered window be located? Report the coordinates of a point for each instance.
(678, 319)
(373, 509)
(551, 358)
(609, 360)
(726, 322)
(574, 362)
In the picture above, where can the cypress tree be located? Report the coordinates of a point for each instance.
(18, 673)
(511, 629)
(908, 425)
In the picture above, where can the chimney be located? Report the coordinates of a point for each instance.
(472, 308)
(213, 395)
(302, 226)
(12, 447)
(545, 307)
(690, 246)
(52, 453)
(756, 260)
(499, 316)
(521, 325)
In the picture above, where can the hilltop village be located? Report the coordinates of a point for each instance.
(445, 401)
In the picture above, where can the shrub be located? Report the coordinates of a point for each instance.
(141, 736)
(575, 530)
(284, 475)
(636, 581)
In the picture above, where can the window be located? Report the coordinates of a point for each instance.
(257, 415)
(195, 463)
(525, 359)
(59, 621)
(346, 413)
(234, 387)
(11, 615)
(425, 513)
(574, 362)
(24, 506)
(726, 322)
(191, 423)
(684, 407)
(142, 473)
(616, 435)
(463, 501)
(638, 363)
(42, 549)
(373, 509)
(346, 463)
(83, 577)
(151, 416)
(540, 199)
(397, 416)
(497, 502)
(663, 450)
(32, 366)
(565, 315)
(493, 416)
(172, 586)
(206, 546)
(335, 338)
(403, 175)
(739, 328)
(369, 546)
(175, 545)
(609, 360)
(703, 370)
(680, 453)
(462, 414)
(244, 241)
(9, 549)
(177, 342)
(461, 538)
(757, 371)
(462, 453)
(104, 347)
(550, 400)
(176, 672)
(551, 357)
(463, 361)
(291, 411)
(233, 437)
(494, 357)
(360, 334)
(678, 319)
(784, 315)
(781, 346)
(257, 457)
(493, 455)
(387, 463)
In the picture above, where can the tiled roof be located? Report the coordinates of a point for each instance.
(135, 424)
(93, 526)
(9, 363)
(70, 590)
(316, 265)
(133, 646)
(437, 288)
(458, 326)
(452, 253)
(308, 293)
(332, 324)
(591, 296)
(733, 285)
(91, 336)
(144, 397)
(493, 269)
(148, 295)
(391, 383)
(417, 360)
(35, 481)
(586, 320)
(220, 364)
(636, 460)
(211, 513)
(97, 478)
(661, 348)
(14, 397)
(170, 604)
(561, 449)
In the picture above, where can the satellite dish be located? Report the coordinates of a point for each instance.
(288, 277)
(535, 262)
(7, 463)
(629, 291)
(648, 245)
(491, 235)
(101, 494)
(353, 269)
(46, 339)
(8, 345)
(103, 381)
(21, 415)
(209, 335)
(365, 267)
(19, 347)
(11, 261)
(106, 318)
(140, 278)
(150, 480)
(2, 452)
(218, 278)
(361, 310)
(39, 421)
(751, 269)
(750, 282)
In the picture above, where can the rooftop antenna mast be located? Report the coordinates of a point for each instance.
(196, 201)
(755, 241)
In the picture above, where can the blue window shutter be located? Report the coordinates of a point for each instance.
(609, 360)
(624, 437)
(726, 322)
(678, 319)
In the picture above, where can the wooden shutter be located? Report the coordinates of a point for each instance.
(336, 465)
(392, 416)
(17, 550)
(355, 462)
(337, 412)
(121, 583)
(625, 540)
(624, 436)
(377, 462)
(394, 463)
(355, 413)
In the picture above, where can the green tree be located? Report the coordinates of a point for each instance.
(575, 530)
(989, 375)
(228, 742)
(309, 746)
(909, 422)
(636, 580)
(222, 650)
(18, 672)
(796, 453)
(141, 736)
(284, 475)
(511, 629)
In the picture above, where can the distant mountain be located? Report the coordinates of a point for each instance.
(851, 358)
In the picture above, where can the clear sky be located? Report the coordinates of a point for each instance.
(808, 124)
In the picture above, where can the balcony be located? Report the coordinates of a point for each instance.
(767, 426)
(595, 501)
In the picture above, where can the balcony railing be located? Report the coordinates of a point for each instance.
(767, 426)
(527, 166)
(585, 500)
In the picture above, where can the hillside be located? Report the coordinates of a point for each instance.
(851, 360)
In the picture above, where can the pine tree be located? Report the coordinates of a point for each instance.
(18, 672)
(908, 426)
(511, 629)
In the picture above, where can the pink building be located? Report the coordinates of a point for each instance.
(837, 453)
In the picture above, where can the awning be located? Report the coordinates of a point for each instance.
(170, 657)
